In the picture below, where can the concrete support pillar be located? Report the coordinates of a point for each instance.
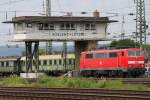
(83, 46)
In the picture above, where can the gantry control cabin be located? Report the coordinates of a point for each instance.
(55, 28)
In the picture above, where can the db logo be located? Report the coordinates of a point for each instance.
(100, 63)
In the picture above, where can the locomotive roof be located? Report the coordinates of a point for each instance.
(110, 50)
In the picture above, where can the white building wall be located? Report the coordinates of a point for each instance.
(24, 33)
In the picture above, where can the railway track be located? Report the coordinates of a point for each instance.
(28, 93)
(145, 81)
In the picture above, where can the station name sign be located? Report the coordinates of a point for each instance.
(68, 34)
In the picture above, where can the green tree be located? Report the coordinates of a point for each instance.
(124, 43)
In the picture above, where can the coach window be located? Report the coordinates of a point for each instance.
(89, 55)
(73, 61)
(60, 61)
(45, 62)
(7, 64)
(70, 61)
(2, 63)
(40, 62)
(112, 54)
(55, 62)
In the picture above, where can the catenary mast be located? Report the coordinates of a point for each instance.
(48, 13)
(140, 22)
(49, 44)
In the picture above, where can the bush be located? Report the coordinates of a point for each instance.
(63, 82)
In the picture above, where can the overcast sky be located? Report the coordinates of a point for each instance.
(59, 7)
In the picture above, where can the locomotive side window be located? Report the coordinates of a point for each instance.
(138, 53)
(101, 55)
(89, 55)
(112, 54)
(122, 53)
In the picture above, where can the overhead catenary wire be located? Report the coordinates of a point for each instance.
(11, 2)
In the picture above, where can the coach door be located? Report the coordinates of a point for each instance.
(121, 59)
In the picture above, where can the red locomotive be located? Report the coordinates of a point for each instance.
(112, 62)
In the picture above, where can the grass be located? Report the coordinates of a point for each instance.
(14, 81)
(63, 82)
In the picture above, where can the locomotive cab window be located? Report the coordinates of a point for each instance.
(134, 53)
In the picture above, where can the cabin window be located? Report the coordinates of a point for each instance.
(89, 55)
(29, 25)
(112, 54)
(40, 26)
(67, 26)
(51, 27)
(46, 26)
(90, 27)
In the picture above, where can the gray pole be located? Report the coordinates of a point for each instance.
(48, 7)
(48, 13)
